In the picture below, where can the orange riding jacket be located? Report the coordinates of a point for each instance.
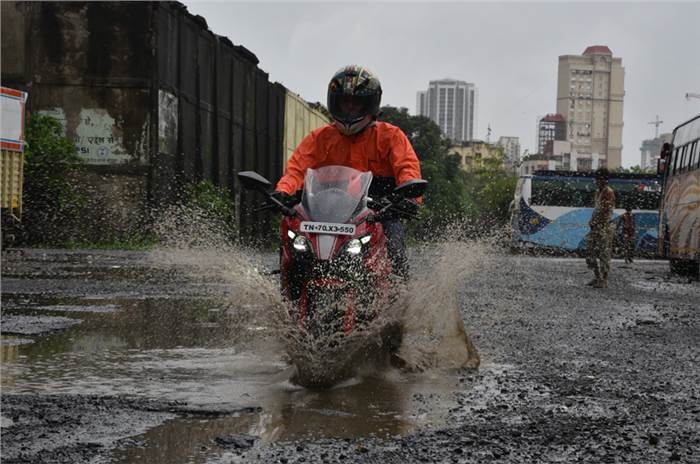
(381, 148)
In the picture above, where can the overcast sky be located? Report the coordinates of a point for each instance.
(508, 50)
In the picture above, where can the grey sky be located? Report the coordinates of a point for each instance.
(509, 50)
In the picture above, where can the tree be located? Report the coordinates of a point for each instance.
(466, 203)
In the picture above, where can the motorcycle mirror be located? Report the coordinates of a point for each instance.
(412, 188)
(253, 181)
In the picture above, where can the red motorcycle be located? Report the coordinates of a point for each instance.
(334, 262)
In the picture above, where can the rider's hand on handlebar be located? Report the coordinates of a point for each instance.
(285, 198)
(407, 206)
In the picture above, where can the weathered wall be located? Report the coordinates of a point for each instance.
(152, 99)
(13, 43)
(218, 112)
(89, 64)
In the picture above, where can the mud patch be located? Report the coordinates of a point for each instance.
(79, 309)
(9, 340)
(50, 429)
(35, 325)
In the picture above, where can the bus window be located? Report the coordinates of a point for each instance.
(674, 161)
(689, 162)
(683, 161)
(636, 194)
(571, 192)
(695, 159)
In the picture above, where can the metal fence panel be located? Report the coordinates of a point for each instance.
(299, 120)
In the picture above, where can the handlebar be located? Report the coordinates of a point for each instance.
(264, 207)
(384, 207)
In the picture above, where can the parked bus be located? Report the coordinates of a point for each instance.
(551, 209)
(679, 226)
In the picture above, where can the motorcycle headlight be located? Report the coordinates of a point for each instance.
(354, 247)
(291, 234)
(300, 243)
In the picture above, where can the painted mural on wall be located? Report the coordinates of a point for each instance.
(97, 136)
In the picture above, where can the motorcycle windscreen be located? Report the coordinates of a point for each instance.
(335, 193)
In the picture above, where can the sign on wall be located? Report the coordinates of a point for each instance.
(96, 136)
(12, 103)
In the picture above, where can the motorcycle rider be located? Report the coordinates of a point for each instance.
(356, 139)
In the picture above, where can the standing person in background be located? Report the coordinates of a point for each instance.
(628, 233)
(601, 235)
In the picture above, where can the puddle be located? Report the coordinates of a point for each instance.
(371, 406)
(193, 351)
(215, 344)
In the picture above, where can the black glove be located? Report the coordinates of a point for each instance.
(408, 206)
(285, 198)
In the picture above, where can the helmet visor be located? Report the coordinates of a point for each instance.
(350, 108)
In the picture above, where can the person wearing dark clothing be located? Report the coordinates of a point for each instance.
(628, 234)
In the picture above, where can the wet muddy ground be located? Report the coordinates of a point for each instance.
(114, 357)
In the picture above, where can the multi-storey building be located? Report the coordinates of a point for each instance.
(452, 105)
(511, 147)
(651, 149)
(475, 154)
(550, 128)
(590, 97)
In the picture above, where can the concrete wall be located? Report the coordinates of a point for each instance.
(152, 99)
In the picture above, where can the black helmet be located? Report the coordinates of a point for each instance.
(354, 94)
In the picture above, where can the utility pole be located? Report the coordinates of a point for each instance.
(690, 95)
(656, 123)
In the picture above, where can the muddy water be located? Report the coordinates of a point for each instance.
(180, 350)
(220, 355)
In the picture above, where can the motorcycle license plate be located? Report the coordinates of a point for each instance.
(327, 228)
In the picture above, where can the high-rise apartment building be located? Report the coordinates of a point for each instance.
(590, 93)
(511, 148)
(550, 128)
(452, 105)
(651, 149)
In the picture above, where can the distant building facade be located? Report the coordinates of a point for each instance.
(590, 96)
(559, 156)
(452, 105)
(537, 162)
(511, 148)
(651, 149)
(550, 128)
(476, 154)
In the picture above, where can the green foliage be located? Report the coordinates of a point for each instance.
(634, 170)
(466, 203)
(215, 202)
(209, 213)
(51, 201)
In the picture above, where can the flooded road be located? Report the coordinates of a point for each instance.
(187, 347)
(130, 357)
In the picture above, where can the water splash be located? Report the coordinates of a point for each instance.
(426, 311)
(429, 309)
